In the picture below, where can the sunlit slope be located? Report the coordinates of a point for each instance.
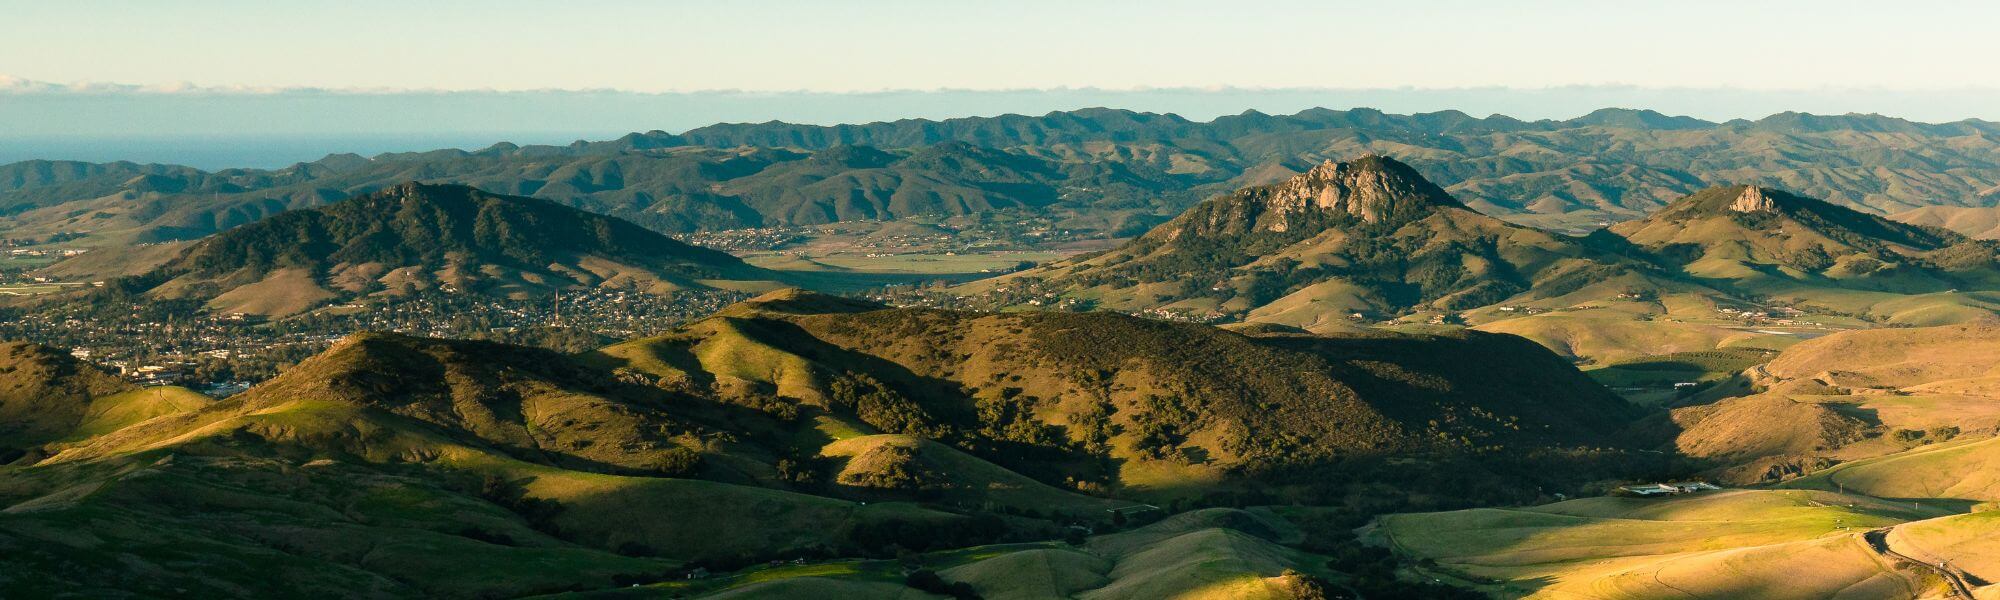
(1613, 333)
(1952, 356)
(1851, 396)
(1961, 473)
(1969, 542)
(117, 411)
(1723, 544)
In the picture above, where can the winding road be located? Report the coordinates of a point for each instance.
(1878, 540)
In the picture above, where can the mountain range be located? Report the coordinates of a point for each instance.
(1109, 171)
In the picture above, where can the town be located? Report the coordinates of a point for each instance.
(158, 343)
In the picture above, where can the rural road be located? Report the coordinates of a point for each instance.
(1878, 540)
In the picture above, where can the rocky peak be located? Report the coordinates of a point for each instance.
(1372, 188)
(1753, 199)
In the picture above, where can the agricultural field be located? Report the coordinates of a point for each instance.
(33, 289)
(1660, 379)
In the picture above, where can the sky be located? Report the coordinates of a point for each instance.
(82, 74)
(829, 45)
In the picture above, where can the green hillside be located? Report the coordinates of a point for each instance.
(46, 396)
(1133, 407)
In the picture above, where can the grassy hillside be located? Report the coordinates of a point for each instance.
(1849, 396)
(1128, 406)
(392, 466)
(46, 396)
(1725, 544)
(1979, 222)
(1217, 553)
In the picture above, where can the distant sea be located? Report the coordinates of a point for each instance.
(258, 151)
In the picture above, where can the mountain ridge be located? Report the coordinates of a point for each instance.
(1110, 171)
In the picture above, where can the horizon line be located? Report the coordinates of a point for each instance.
(10, 85)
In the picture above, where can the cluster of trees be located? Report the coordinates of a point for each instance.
(882, 407)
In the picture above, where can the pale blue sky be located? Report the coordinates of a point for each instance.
(858, 46)
(217, 82)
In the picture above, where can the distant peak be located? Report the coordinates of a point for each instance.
(1372, 187)
(1752, 200)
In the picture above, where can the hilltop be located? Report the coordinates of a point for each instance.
(1369, 236)
(417, 237)
(1748, 232)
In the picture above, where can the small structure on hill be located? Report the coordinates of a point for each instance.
(1650, 490)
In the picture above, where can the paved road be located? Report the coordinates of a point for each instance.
(1879, 541)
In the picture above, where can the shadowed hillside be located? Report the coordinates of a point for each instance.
(44, 395)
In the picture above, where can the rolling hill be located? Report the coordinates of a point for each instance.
(45, 395)
(1978, 222)
(1134, 407)
(417, 237)
(1850, 397)
(794, 425)
(394, 466)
